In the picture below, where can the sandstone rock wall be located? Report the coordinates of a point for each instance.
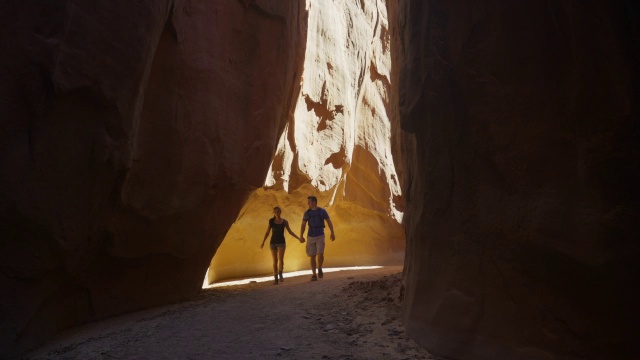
(337, 146)
(131, 133)
(521, 164)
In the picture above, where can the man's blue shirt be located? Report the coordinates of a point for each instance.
(315, 220)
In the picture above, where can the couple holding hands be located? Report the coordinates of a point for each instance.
(316, 217)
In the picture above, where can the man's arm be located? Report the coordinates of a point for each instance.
(333, 237)
(304, 225)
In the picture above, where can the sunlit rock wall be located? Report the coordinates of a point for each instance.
(337, 146)
(521, 167)
(130, 135)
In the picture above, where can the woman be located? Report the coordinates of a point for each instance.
(277, 243)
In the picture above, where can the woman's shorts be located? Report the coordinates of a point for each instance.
(315, 245)
(275, 246)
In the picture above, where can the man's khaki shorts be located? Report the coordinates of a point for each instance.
(315, 245)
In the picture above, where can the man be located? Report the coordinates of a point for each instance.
(316, 216)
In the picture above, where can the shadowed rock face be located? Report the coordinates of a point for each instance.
(131, 133)
(521, 165)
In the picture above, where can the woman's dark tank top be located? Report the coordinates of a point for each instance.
(277, 236)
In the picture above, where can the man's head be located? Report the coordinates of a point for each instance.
(312, 201)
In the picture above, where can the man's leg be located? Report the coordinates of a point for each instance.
(312, 251)
(313, 264)
(320, 249)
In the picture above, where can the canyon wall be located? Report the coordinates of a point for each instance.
(521, 169)
(337, 146)
(131, 134)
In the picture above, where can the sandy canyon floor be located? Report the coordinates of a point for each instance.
(352, 314)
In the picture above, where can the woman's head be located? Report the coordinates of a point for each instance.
(276, 210)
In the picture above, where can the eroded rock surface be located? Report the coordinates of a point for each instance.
(521, 164)
(131, 133)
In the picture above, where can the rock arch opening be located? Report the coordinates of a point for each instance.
(336, 145)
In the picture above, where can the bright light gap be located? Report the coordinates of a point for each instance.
(288, 274)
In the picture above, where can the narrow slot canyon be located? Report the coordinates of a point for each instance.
(478, 161)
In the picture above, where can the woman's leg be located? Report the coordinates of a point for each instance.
(281, 258)
(274, 256)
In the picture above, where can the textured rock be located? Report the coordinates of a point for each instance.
(337, 146)
(521, 159)
(131, 133)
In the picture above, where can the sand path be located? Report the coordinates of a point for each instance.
(347, 315)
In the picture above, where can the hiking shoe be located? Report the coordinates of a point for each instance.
(314, 278)
(320, 274)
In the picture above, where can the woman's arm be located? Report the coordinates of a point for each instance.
(266, 235)
(286, 224)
